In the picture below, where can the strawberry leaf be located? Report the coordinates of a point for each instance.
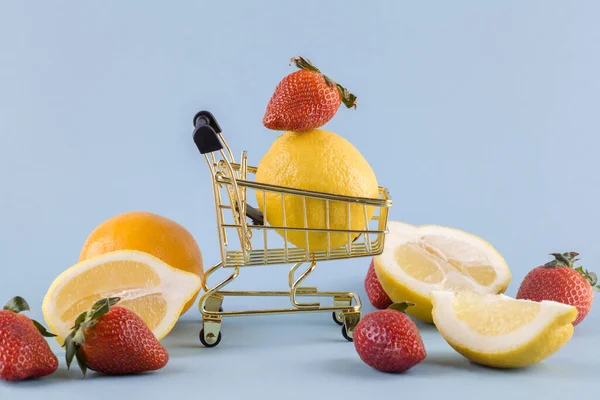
(401, 306)
(74, 350)
(348, 98)
(71, 348)
(563, 260)
(80, 319)
(593, 278)
(102, 307)
(303, 63)
(42, 330)
(85, 320)
(568, 260)
(81, 360)
(17, 304)
(78, 337)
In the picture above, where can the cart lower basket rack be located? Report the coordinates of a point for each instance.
(232, 186)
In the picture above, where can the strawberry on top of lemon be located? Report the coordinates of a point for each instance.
(308, 158)
(305, 100)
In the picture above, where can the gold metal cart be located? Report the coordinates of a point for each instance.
(235, 217)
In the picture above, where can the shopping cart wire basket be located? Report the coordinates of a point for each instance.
(244, 240)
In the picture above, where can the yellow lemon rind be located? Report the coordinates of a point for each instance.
(321, 161)
(401, 287)
(156, 264)
(554, 332)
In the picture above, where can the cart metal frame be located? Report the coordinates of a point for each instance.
(231, 183)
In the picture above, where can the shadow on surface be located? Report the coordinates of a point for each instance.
(585, 330)
(424, 326)
(354, 367)
(432, 365)
(259, 332)
(456, 362)
(64, 376)
(447, 362)
(61, 375)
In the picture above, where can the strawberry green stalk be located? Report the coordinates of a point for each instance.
(17, 305)
(85, 320)
(402, 306)
(348, 98)
(568, 260)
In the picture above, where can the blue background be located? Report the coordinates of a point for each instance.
(482, 116)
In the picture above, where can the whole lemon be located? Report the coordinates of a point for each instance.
(322, 161)
(150, 233)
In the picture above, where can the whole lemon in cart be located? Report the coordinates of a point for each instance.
(320, 161)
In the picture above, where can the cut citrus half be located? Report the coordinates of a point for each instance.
(418, 259)
(499, 331)
(146, 285)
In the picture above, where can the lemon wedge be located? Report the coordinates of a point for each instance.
(499, 331)
(146, 285)
(418, 259)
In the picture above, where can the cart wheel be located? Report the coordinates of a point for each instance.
(336, 319)
(205, 343)
(345, 334)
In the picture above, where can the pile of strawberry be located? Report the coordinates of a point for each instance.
(389, 341)
(305, 99)
(107, 339)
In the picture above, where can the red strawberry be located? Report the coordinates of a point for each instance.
(305, 100)
(377, 296)
(24, 353)
(388, 340)
(114, 340)
(560, 281)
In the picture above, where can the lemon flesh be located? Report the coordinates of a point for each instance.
(419, 259)
(146, 285)
(319, 161)
(499, 331)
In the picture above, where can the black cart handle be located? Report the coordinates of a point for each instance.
(206, 137)
(206, 130)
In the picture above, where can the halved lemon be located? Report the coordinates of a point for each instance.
(146, 285)
(499, 331)
(418, 259)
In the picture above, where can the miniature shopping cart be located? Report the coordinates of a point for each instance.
(236, 218)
